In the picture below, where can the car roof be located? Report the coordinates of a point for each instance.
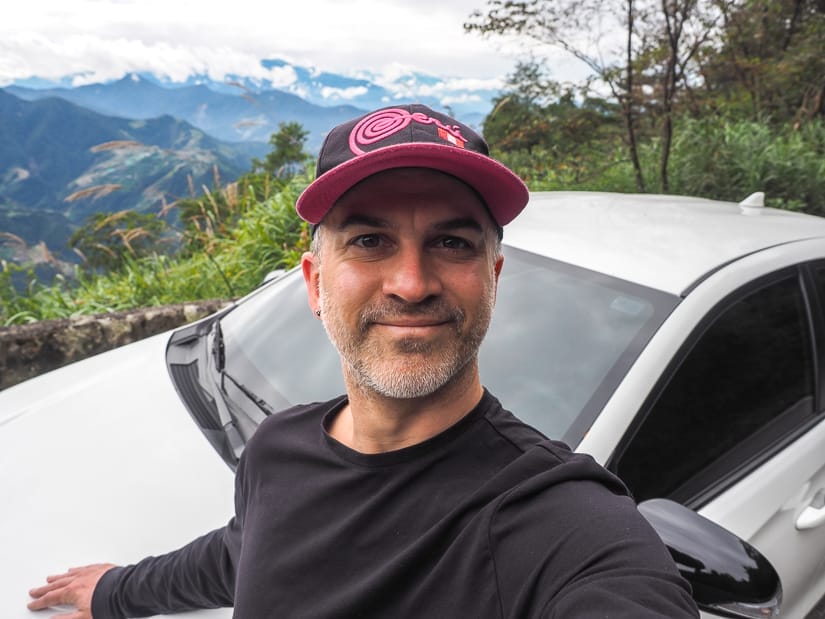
(661, 241)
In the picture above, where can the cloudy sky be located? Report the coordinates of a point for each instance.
(99, 40)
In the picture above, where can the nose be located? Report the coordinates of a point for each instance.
(412, 276)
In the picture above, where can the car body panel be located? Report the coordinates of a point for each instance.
(623, 235)
(137, 480)
(764, 507)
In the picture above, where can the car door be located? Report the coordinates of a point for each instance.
(733, 426)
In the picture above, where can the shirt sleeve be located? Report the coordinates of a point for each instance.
(579, 550)
(198, 575)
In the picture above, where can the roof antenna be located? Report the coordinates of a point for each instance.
(753, 204)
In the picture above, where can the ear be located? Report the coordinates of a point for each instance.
(497, 271)
(309, 267)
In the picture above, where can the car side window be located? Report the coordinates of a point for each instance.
(744, 385)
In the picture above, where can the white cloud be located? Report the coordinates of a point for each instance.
(462, 98)
(328, 92)
(104, 39)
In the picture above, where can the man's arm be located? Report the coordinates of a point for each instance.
(198, 575)
(577, 549)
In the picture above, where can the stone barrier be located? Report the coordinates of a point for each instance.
(29, 350)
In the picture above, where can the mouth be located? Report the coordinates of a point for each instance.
(412, 321)
(408, 323)
(406, 328)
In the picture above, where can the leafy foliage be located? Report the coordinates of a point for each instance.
(538, 126)
(768, 62)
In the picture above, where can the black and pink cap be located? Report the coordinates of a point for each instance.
(409, 136)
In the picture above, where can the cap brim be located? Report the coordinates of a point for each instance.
(504, 193)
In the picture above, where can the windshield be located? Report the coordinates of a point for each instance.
(560, 341)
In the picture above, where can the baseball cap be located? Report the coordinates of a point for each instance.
(409, 136)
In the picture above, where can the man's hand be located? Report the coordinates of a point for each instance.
(75, 587)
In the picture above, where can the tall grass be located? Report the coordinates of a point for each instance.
(267, 236)
(731, 160)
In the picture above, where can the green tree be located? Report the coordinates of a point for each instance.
(580, 28)
(518, 121)
(769, 61)
(538, 120)
(658, 47)
(288, 156)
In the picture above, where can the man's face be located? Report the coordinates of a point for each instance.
(406, 280)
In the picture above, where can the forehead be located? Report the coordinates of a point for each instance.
(410, 192)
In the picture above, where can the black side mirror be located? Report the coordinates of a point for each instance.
(730, 578)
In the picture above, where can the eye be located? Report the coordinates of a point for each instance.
(367, 241)
(454, 242)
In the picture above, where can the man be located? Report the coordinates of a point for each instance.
(416, 494)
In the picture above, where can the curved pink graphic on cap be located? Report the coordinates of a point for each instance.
(384, 123)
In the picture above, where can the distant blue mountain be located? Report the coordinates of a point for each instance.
(242, 116)
(171, 131)
(60, 162)
(242, 108)
(468, 104)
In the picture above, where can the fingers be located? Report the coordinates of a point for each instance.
(74, 587)
(49, 598)
(53, 584)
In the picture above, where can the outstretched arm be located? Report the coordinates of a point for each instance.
(580, 548)
(198, 575)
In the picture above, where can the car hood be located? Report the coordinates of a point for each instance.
(84, 483)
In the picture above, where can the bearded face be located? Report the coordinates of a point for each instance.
(406, 291)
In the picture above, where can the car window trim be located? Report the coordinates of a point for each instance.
(699, 498)
(815, 295)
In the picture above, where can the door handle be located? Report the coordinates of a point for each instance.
(813, 515)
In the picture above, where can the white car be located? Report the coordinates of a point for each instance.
(680, 341)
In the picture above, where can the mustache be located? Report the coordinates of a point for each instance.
(436, 310)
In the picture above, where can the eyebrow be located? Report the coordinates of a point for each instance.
(457, 223)
(358, 219)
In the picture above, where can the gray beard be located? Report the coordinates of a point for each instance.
(424, 368)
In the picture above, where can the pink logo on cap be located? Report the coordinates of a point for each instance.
(384, 123)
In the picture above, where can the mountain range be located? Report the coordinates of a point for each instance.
(242, 116)
(142, 141)
(60, 162)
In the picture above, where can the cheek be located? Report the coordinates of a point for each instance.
(472, 287)
(349, 287)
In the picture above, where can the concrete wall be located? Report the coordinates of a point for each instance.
(29, 350)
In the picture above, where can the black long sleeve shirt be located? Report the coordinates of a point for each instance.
(487, 519)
